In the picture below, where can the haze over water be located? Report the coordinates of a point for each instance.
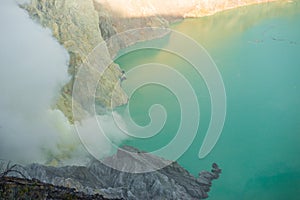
(257, 51)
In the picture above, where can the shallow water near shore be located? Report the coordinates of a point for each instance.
(256, 50)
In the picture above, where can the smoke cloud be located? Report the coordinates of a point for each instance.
(33, 68)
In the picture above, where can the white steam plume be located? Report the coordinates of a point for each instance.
(33, 68)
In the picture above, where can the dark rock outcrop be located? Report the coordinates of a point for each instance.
(12, 188)
(170, 182)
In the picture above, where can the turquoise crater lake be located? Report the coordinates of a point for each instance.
(257, 51)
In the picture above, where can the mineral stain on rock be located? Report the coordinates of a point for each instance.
(80, 26)
(75, 24)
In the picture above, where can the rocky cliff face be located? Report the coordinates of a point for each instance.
(112, 24)
(171, 182)
(81, 25)
(75, 24)
(205, 8)
(173, 8)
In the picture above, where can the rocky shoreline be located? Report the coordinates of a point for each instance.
(170, 182)
(173, 8)
(81, 25)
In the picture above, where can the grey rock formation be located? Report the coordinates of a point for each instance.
(170, 182)
(75, 24)
(81, 26)
(141, 28)
(12, 188)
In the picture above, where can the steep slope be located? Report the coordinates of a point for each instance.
(174, 8)
(170, 182)
(75, 24)
(80, 26)
(12, 188)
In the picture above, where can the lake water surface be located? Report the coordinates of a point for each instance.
(257, 51)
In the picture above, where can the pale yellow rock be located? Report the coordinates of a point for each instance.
(75, 24)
